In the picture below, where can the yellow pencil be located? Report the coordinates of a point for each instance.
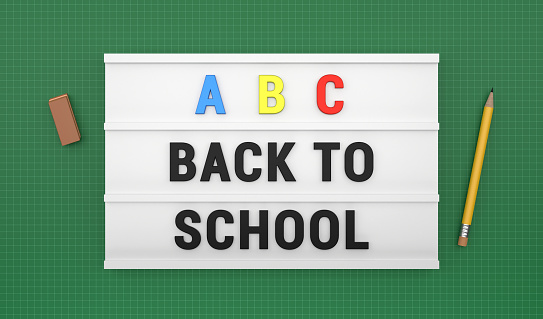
(476, 169)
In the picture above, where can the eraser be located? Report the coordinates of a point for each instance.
(462, 241)
(64, 119)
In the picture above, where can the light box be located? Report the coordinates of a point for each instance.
(271, 161)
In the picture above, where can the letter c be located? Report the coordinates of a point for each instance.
(321, 94)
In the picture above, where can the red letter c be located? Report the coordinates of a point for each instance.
(321, 94)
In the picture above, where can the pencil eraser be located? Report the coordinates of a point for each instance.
(67, 129)
(462, 241)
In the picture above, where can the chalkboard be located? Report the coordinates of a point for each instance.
(53, 222)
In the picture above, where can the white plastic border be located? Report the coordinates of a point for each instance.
(271, 58)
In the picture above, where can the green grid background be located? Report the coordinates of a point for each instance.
(52, 220)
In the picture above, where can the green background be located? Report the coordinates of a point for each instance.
(52, 220)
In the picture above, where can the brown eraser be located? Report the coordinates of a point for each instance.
(462, 241)
(64, 119)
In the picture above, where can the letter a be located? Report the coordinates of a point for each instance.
(264, 94)
(210, 88)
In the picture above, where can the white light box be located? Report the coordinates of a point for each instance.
(277, 161)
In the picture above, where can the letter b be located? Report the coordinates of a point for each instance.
(264, 94)
(176, 161)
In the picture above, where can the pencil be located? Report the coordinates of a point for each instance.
(476, 169)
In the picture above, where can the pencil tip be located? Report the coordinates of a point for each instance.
(492, 90)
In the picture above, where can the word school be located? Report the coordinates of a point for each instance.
(261, 230)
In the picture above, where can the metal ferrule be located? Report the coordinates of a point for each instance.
(465, 230)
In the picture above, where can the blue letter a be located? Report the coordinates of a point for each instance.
(210, 87)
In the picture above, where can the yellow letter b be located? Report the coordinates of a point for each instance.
(264, 94)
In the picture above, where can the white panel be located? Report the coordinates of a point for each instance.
(404, 162)
(394, 231)
(372, 92)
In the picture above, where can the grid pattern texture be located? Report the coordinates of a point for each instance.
(52, 224)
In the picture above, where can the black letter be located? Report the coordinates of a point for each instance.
(215, 155)
(326, 158)
(298, 229)
(314, 229)
(175, 161)
(277, 161)
(212, 229)
(261, 230)
(239, 162)
(368, 161)
(351, 243)
(193, 232)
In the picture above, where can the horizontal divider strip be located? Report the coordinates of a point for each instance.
(272, 58)
(270, 198)
(273, 264)
(252, 126)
